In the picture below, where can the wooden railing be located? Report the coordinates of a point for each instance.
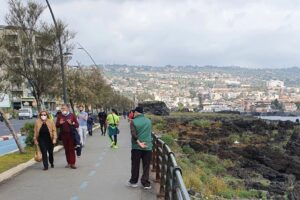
(168, 173)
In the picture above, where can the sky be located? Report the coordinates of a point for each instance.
(246, 33)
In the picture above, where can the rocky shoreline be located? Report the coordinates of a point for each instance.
(266, 154)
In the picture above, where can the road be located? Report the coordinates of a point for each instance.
(102, 173)
(17, 125)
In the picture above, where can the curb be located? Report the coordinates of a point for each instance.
(21, 167)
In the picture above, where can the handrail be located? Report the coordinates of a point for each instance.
(168, 173)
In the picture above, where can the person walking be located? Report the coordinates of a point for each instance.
(65, 121)
(113, 130)
(90, 124)
(130, 115)
(102, 120)
(82, 120)
(141, 132)
(45, 136)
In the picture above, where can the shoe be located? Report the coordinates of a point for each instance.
(147, 187)
(112, 144)
(73, 167)
(78, 156)
(115, 147)
(52, 165)
(45, 168)
(67, 166)
(133, 185)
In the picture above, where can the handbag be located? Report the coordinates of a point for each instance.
(37, 155)
(117, 129)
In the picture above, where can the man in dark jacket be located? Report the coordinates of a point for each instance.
(102, 120)
(141, 144)
(65, 121)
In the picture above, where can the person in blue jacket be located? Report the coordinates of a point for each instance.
(90, 123)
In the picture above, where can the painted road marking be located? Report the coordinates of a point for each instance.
(83, 185)
(98, 164)
(92, 173)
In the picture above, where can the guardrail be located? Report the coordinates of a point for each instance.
(168, 173)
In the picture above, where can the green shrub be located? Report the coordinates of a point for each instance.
(28, 129)
(168, 139)
(159, 126)
(201, 123)
(188, 150)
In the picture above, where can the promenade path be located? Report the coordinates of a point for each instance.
(102, 174)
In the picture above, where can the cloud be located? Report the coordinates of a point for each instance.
(256, 33)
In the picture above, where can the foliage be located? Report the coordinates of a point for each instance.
(276, 105)
(33, 57)
(201, 123)
(28, 129)
(168, 139)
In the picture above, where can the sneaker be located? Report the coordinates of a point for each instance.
(115, 147)
(52, 165)
(147, 187)
(133, 185)
(112, 144)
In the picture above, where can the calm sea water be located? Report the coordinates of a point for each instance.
(293, 119)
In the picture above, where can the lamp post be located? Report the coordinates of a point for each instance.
(60, 54)
(81, 48)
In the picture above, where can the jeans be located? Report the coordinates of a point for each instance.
(82, 130)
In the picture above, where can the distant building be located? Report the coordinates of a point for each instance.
(275, 84)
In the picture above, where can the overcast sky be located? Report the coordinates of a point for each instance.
(247, 33)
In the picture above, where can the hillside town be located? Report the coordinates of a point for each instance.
(206, 91)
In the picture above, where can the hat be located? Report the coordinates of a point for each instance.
(139, 109)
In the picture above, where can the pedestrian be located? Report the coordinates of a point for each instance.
(65, 121)
(130, 115)
(102, 121)
(45, 136)
(82, 120)
(90, 124)
(113, 130)
(124, 114)
(141, 132)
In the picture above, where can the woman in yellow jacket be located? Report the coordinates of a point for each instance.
(45, 136)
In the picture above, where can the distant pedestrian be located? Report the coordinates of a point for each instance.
(90, 124)
(45, 136)
(130, 115)
(113, 130)
(82, 120)
(102, 120)
(65, 121)
(124, 114)
(141, 132)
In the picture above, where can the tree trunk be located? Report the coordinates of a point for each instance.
(72, 106)
(12, 131)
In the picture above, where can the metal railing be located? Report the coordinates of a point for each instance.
(168, 173)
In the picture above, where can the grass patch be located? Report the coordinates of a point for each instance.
(11, 160)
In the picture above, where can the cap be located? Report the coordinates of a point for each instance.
(139, 109)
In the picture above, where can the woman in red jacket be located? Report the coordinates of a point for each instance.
(64, 121)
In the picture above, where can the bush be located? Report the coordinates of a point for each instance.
(28, 129)
(168, 139)
(188, 150)
(201, 123)
(159, 126)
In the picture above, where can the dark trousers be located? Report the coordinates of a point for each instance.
(103, 128)
(46, 147)
(114, 138)
(136, 156)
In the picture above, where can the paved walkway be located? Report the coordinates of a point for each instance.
(102, 174)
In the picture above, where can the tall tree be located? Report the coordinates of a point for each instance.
(3, 89)
(37, 58)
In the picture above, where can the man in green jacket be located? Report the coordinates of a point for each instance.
(141, 132)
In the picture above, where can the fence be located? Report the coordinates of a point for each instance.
(168, 173)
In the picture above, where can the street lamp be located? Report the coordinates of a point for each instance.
(60, 54)
(81, 48)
